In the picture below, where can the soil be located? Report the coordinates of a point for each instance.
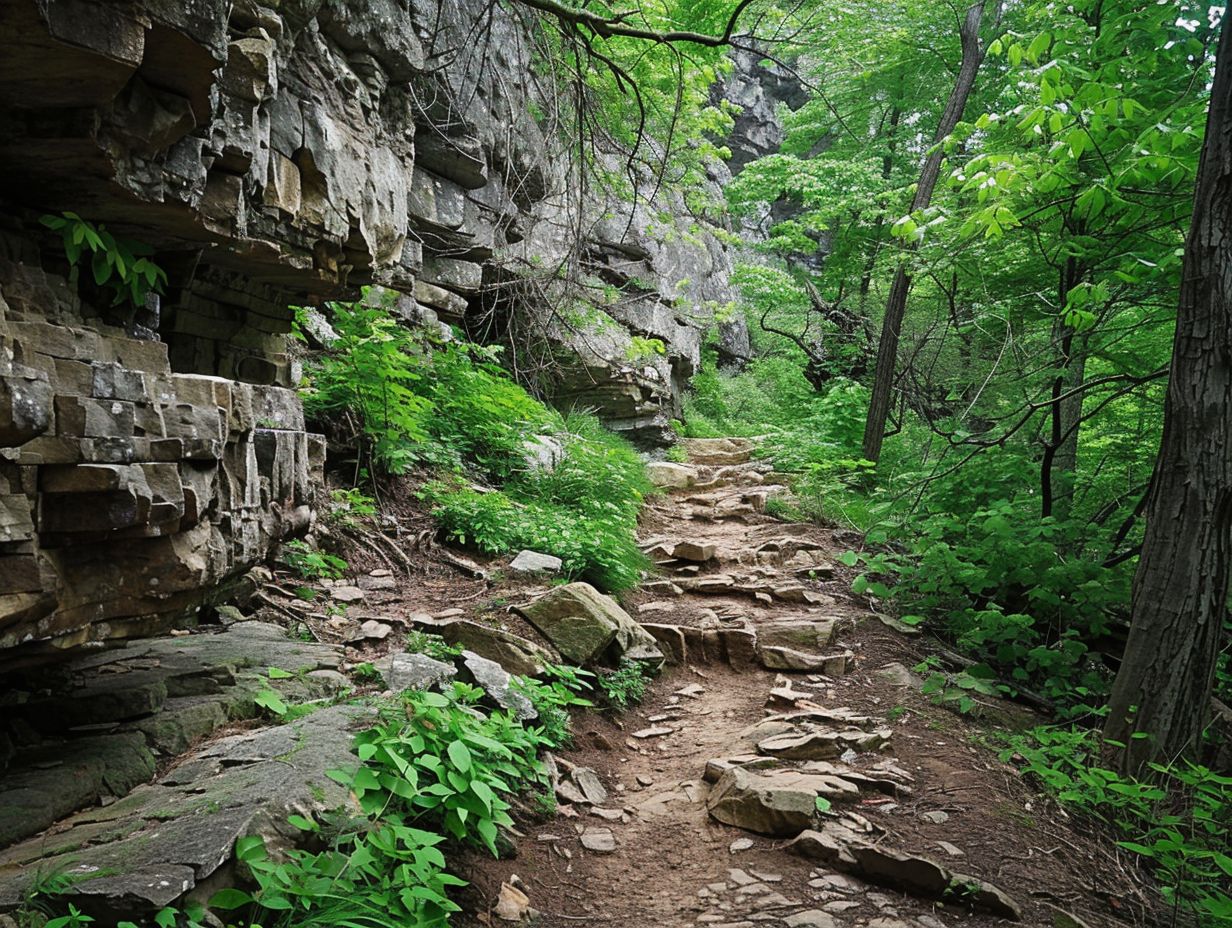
(673, 865)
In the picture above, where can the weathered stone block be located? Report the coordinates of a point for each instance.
(25, 406)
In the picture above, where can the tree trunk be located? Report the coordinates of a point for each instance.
(1060, 458)
(1181, 588)
(896, 303)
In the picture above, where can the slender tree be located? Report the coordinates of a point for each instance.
(973, 51)
(1161, 696)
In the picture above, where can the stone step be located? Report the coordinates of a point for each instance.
(719, 451)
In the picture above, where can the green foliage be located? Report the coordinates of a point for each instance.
(1179, 821)
(433, 770)
(553, 697)
(449, 404)
(372, 372)
(583, 511)
(625, 686)
(350, 507)
(118, 265)
(310, 563)
(434, 646)
(366, 673)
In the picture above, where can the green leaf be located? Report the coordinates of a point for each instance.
(277, 673)
(460, 755)
(227, 899)
(249, 848)
(268, 699)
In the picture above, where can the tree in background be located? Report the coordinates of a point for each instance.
(973, 50)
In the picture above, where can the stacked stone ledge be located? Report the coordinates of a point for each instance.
(131, 495)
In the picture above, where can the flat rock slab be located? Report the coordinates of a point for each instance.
(843, 849)
(166, 837)
(823, 745)
(598, 840)
(130, 705)
(832, 665)
(719, 451)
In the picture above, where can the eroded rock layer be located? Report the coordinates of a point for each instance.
(274, 155)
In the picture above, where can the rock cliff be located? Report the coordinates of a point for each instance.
(271, 156)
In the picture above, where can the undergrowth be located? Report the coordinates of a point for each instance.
(514, 473)
(435, 772)
(625, 686)
(1179, 822)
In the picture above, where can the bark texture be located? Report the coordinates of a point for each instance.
(1181, 587)
(896, 304)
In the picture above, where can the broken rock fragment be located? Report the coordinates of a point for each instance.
(844, 849)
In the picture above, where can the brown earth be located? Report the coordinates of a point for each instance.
(673, 865)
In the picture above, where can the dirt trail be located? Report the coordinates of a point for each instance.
(673, 864)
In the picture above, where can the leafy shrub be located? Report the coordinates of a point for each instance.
(310, 563)
(433, 769)
(1179, 822)
(373, 372)
(552, 699)
(350, 506)
(583, 511)
(432, 645)
(595, 549)
(625, 686)
(449, 404)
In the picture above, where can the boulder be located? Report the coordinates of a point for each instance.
(584, 625)
(693, 551)
(897, 674)
(780, 803)
(514, 653)
(671, 476)
(403, 671)
(497, 683)
(529, 563)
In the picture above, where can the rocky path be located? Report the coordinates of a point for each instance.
(785, 771)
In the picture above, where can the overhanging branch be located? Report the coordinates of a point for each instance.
(609, 26)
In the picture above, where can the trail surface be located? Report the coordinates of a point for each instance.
(911, 791)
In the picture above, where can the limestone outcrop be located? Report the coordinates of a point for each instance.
(272, 155)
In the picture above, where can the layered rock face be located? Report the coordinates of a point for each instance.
(278, 155)
(130, 494)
